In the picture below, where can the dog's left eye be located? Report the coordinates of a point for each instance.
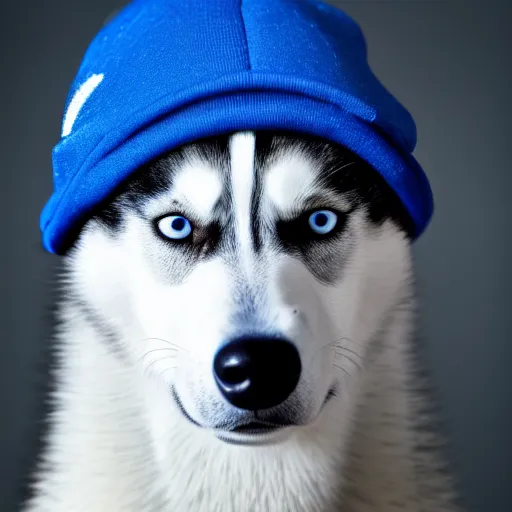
(323, 222)
(175, 227)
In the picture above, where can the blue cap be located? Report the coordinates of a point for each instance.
(164, 73)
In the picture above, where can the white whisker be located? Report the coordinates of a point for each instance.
(179, 347)
(349, 359)
(158, 361)
(156, 350)
(166, 370)
(341, 368)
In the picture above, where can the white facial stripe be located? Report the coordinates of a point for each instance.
(289, 181)
(242, 149)
(199, 186)
(78, 101)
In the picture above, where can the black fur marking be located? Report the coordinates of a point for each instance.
(343, 172)
(264, 154)
(365, 185)
(156, 177)
(340, 172)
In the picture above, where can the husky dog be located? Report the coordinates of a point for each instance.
(235, 335)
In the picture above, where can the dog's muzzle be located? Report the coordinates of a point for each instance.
(255, 375)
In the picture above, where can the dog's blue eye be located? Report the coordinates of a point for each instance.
(323, 222)
(175, 227)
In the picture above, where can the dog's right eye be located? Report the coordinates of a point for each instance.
(322, 222)
(175, 227)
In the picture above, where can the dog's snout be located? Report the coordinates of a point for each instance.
(257, 373)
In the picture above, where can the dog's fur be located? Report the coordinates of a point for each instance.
(139, 423)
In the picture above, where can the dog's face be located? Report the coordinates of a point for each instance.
(246, 276)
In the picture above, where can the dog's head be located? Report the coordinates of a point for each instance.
(246, 276)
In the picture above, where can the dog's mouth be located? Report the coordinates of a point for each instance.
(253, 433)
(256, 432)
(256, 428)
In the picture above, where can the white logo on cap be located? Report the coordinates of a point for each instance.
(78, 101)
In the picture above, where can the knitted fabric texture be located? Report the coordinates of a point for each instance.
(164, 73)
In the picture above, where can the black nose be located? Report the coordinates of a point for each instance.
(257, 373)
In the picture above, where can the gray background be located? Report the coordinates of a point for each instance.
(448, 62)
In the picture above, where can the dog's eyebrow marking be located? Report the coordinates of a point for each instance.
(242, 148)
(78, 101)
(290, 180)
(199, 186)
